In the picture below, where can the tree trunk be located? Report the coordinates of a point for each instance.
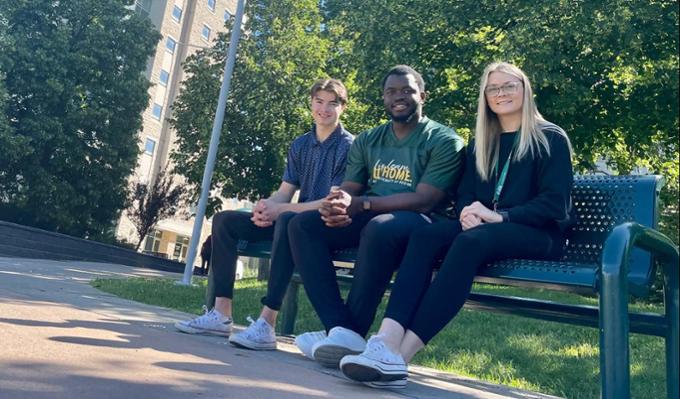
(139, 243)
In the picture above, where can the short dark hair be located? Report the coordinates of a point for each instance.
(402, 70)
(330, 85)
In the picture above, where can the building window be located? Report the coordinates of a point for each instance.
(153, 241)
(205, 33)
(150, 146)
(156, 111)
(170, 44)
(181, 246)
(227, 16)
(163, 78)
(176, 13)
(143, 7)
(211, 5)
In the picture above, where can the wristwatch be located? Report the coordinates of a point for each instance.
(365, 204)
(504, 215)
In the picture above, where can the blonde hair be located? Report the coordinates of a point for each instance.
(488, 128)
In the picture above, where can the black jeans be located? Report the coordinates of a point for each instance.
(425, 306)
(228, 228)
(381, 239)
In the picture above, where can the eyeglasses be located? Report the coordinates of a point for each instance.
(507, 88)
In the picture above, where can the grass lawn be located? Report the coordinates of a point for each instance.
(541, 356)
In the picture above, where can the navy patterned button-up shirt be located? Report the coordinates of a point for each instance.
(315, 166)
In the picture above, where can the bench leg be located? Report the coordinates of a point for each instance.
(263, 266)
(614, 328)
(289, 308)
(671, 303)
(210, 290)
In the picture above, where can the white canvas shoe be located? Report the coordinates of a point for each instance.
(396, 384)
(339, 343)
(258, 336)
(375, 364)
(305, 342)
(211, 322)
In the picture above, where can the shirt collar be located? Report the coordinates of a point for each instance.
(333, 137)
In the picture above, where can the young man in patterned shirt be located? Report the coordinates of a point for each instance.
(316, 161)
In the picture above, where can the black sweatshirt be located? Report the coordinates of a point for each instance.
(537, 190)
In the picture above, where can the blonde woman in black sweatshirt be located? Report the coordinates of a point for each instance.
(513, 202)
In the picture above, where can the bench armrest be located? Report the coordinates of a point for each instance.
(621, 241)
(614, 300)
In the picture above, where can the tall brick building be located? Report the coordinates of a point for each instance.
(186, 26)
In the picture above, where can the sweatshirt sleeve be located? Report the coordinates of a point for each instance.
(466, 189)
(555, 180)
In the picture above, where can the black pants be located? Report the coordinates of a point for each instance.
(228, 228)
(381, 239)
(425, 308)
(205, 265)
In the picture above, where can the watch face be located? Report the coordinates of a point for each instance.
(367, 205)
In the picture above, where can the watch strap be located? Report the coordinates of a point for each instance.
(504, 215)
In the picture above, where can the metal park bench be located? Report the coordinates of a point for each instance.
(613, 252)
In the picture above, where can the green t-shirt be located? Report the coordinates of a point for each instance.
(385, 165)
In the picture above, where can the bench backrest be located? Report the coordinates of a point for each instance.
(602, 202)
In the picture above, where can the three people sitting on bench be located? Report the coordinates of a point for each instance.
(513, 200)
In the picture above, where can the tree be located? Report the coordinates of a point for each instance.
(150, 205)
(13, 146)
(606, 71)
(279, 57)
(76, 92)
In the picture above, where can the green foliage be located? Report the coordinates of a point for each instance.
(279, 57)
(76, 92)
(152, 204)
(12, 145)
(606, 71)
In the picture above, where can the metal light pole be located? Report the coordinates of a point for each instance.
(214, 141)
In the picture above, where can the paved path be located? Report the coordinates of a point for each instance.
(61, 338)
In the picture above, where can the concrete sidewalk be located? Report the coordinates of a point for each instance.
(61, 338)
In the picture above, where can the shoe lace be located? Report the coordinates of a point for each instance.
(207, 316)
(321, 334)
(374, 345)
(255, 329)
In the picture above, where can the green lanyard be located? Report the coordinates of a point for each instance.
(504, 174)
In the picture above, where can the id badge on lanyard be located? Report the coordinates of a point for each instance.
(504, 174)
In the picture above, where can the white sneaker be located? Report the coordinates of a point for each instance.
(305, 342)
(375, 364)
(258, 336)
(396, 384)
(339, 343)
(212, 322)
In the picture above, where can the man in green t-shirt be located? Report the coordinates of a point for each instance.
(397, 179)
